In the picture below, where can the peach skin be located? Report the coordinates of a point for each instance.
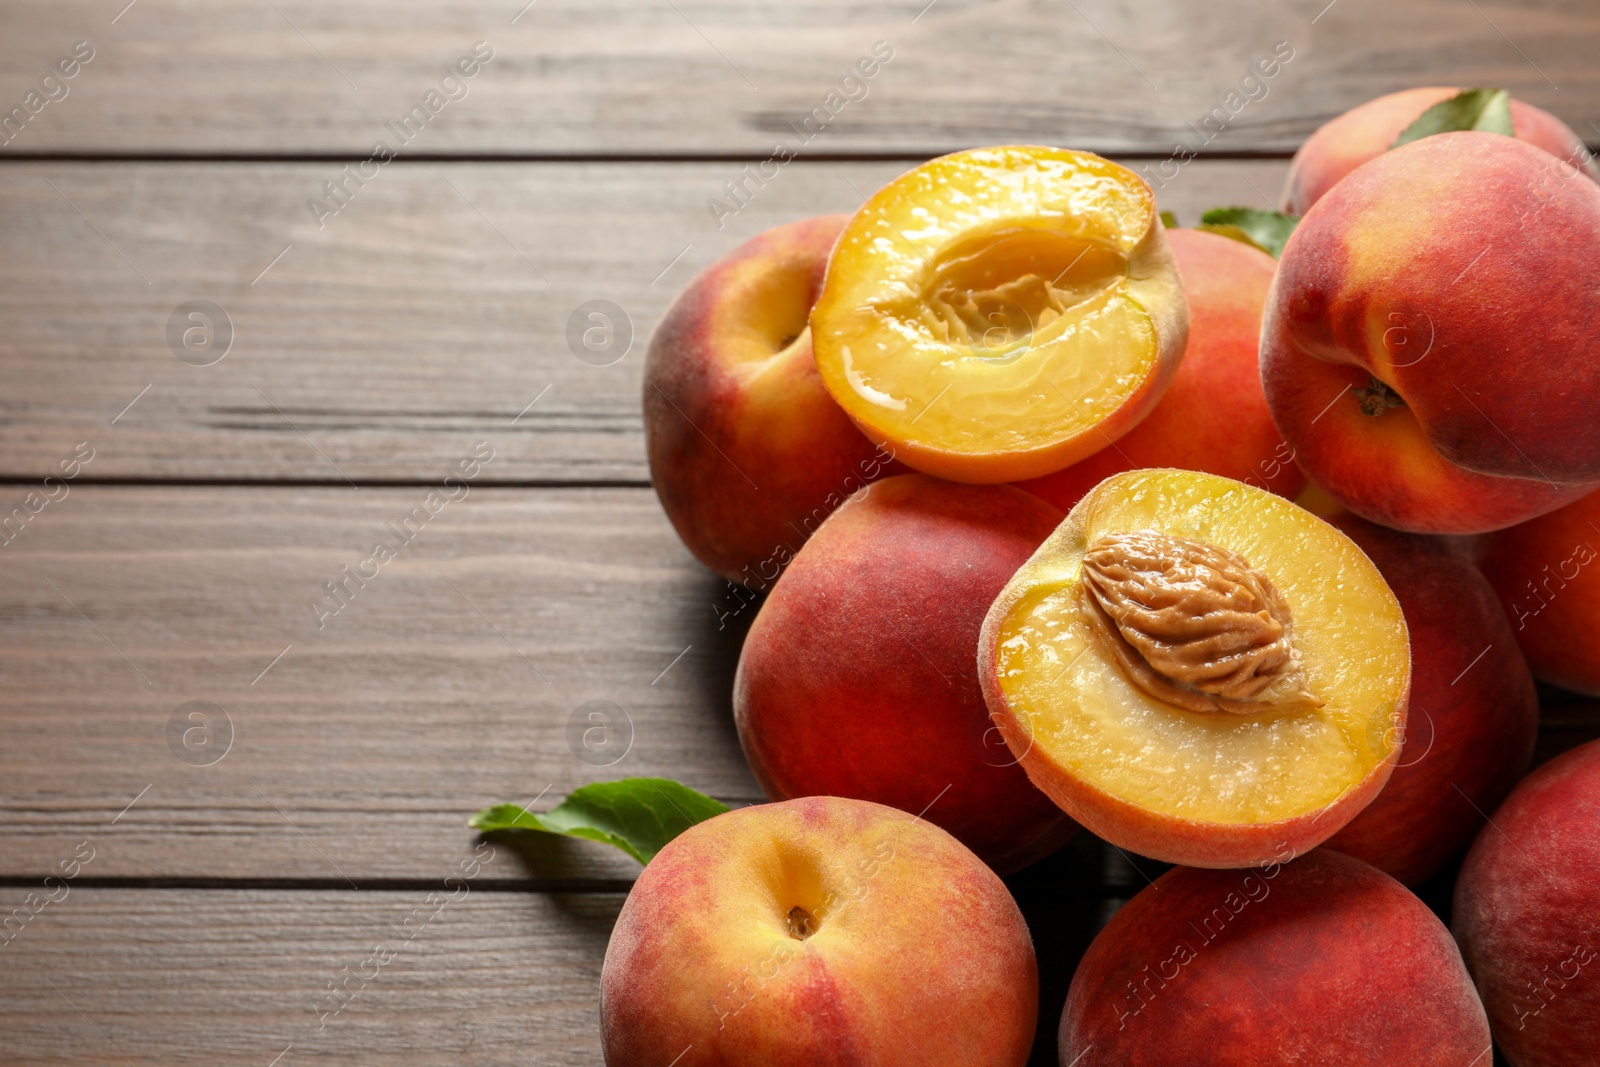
(1323, 960)
(1427, 347)
(1525, 913)
(857, 678)
(1213, 417)
(1473, 713)
(1546, 574)
(748, 453)
(820, 932)
(1363, 133)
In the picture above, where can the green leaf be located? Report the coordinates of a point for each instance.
(637, 815)
(1488, 110)
(1169, 220)
(1267, 230)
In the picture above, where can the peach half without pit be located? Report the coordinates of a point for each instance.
(1000, 313)
(1199, 671)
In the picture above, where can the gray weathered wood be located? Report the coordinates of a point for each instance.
(362, 751)
(425, 316)
(677, 76)
(170, 977)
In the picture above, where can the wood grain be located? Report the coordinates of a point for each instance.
(444, 684)
(172, 977)
(471, 975)
(425, 316)
(687, 76)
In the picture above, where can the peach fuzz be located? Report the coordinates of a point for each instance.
(1213, 417)
(1320, 960)
(748, 453)
(1365, 132)
(1473, 716)
(857, 676)
(1248, 694)
(1546, 573)
(1527, 915)
(1428, 339)
(818, 933)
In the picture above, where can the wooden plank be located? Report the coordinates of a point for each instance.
(467, 975)
(449, 681)
(675, 76)
(169, 977)
(429, 314)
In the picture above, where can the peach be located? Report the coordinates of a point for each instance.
(1544, 572)
(1473, 716)
(1000, 313)
(1198, 670)
(748, 453)
(1427, 347)
(1322, 960)
(818, 933)
(857, 676)
(1213, 417)
(1525, 913)
(1363, 133)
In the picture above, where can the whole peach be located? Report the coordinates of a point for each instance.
(818, 933)
(748, 452)
(1428, 342)
(1474, 713)
(1321, 960)
(1527, 914)
(1213, 417)
(1342, 144)
(1545, 573)
(859, 675)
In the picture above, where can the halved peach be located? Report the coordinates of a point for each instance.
(1199, 671)
(1000, 313)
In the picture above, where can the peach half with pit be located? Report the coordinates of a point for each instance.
(1000, 313)
(819, 931)
(1198, 670)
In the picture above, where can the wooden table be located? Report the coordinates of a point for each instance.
(265, 788)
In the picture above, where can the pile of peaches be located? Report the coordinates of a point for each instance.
(1067, 518)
